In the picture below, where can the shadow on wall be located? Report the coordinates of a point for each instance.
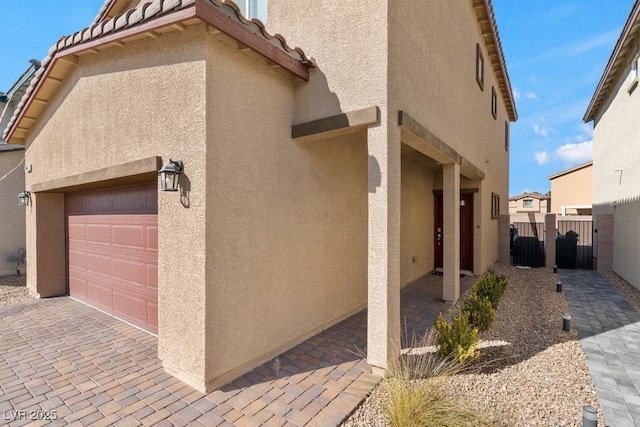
(375, 176)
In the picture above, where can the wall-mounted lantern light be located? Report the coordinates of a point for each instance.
(463, 203)
(24, 198)
(170, 174)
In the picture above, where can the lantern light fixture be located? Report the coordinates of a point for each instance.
(24, 198)
(170, 175)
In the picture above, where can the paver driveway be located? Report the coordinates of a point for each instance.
(66, 363)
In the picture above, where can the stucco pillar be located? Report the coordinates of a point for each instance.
(550, 239)
(603, 250)
(383, 319)
(46, 245)
(451, 232)
(504, 239)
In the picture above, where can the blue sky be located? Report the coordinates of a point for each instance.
(556, 51)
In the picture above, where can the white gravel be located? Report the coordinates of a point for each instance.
(533, 374)
(13, 290)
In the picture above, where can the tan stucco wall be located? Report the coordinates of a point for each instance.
(538, 205)
(572, 189)
(117, 108)
(12, 216)
(432, 59)
(286, 221)
(417, 222)
(616, 154)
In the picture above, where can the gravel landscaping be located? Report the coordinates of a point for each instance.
(531, 373)
(13, 290)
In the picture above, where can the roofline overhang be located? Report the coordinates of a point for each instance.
(494, 46)
(613, 65)
(202, 10)
(573, 169)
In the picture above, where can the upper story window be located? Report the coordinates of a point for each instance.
(506, 135)
(479, 66)
(253, 9)
(527, 203)
(494, 103)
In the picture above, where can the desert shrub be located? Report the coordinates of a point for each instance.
(410, 397)
(490, 286)
(480, 312)
(457, 339)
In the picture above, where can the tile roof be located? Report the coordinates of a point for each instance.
(625, 46)
(534, 195)
(154, 16)
(486, 18)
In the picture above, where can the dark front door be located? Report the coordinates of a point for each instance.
(466, 231)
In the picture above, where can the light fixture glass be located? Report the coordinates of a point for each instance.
(24, 198)
(170, 175)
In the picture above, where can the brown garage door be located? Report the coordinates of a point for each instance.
(112, 241)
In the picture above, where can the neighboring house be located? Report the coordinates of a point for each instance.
(530, 203)
(311, 188)
(571, 190)
(614, 110)
(12, 216)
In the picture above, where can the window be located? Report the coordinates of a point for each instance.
(494, 103)
(253, 9)
(506, 135)
(634, 74)
(527, 203)
(495, 206)
(479, 67)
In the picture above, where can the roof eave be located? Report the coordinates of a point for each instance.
(601, 91)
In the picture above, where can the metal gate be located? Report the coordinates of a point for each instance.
(527, 240)
(574, 244)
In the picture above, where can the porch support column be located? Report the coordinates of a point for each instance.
(451, 232)
(383, 318)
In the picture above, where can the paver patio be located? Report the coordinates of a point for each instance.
(65, 363)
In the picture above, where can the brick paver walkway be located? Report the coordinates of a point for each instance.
(64, 363)
(609, 331)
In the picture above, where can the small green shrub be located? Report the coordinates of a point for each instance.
(457, 340)
(480, 312)
(490, 286)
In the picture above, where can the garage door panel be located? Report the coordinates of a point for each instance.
(130, 271)
(78, 287)
(112, 251)
(77, 231)
(152, 276)
(129, 235)
(99, 233)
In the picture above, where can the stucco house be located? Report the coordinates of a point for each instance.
(613, 110)
(314, 182)
(12, 216)
(571, 190)
(530, 203)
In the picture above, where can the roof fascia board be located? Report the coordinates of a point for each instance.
(214, 17)
(601, 90)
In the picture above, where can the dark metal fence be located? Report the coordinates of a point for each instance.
(574, 244)
(527, 240)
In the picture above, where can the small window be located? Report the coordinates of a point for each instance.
(506, 135)
(479, 67)
(634, 74)
(495, 206)
(527, 203)
(494, 103)
(253, 9)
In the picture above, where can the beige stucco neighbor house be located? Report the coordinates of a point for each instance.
(613, 110)
(529, 203)
(315, 183)
(571, 190)
(12, 217)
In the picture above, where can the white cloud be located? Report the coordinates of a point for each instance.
(542, 157)
(576, 153)
(540, 130)
(516, 94)
(530, 95)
